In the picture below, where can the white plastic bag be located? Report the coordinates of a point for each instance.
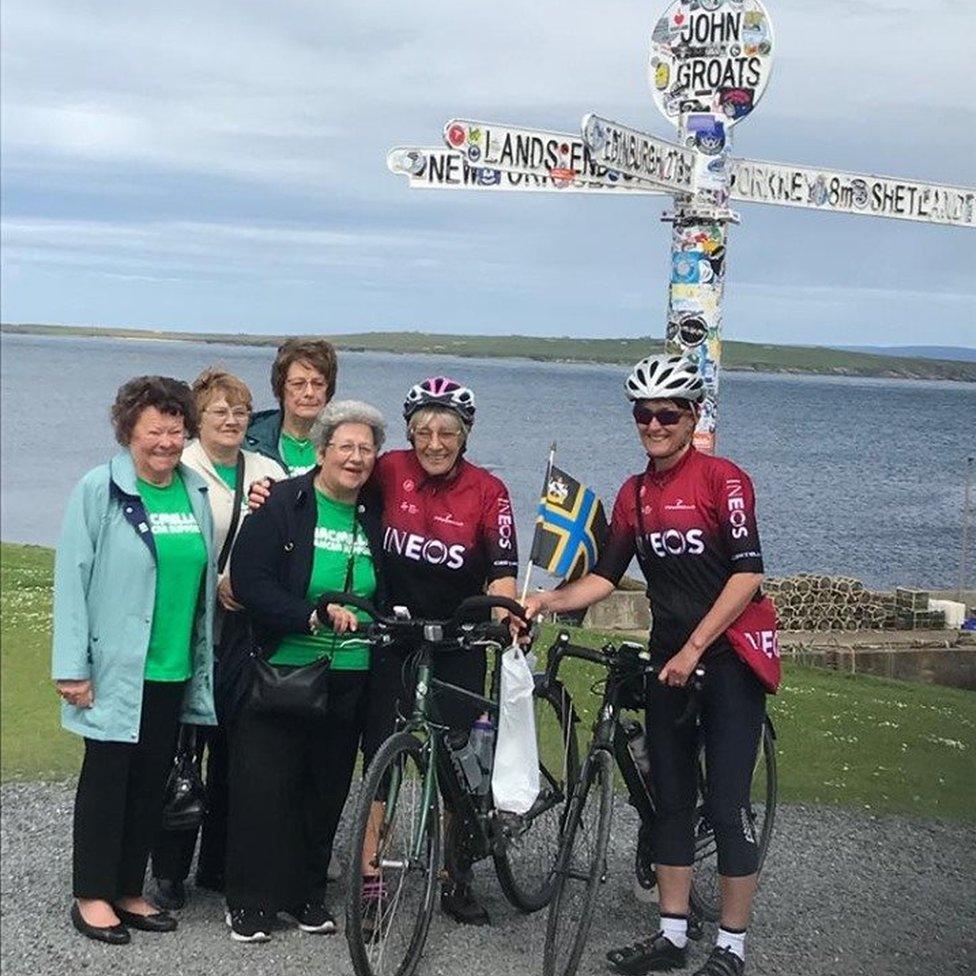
(515, 776)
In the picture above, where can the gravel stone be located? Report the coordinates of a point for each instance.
(842, 894)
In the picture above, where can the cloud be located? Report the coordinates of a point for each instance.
(208, 142)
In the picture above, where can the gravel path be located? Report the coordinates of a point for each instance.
(842, 894)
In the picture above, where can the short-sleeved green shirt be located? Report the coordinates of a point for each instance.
(181, 560)
(298, 455)
(335, 530)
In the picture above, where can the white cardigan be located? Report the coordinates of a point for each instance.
(221, 496)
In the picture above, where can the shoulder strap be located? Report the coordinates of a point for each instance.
(235, 517)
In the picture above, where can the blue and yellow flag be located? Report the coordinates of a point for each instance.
(570, 527)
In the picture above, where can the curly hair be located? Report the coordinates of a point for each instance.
(318, 353)
(213, 383)
(341, 412)
(166, 394)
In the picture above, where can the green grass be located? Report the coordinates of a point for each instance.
(873, 744)
(877, 745)
(748, 356)
(34, 744)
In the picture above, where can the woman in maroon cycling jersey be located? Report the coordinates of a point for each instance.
(448, 533)
(689, 519)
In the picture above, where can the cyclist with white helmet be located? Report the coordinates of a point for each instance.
(448, 533)
(689, 519)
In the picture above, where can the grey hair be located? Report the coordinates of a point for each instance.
(339, 412)
(424, 415)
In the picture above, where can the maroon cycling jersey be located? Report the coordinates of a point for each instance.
(694, 527)
(444, 538)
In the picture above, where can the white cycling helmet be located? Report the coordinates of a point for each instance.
(665, 378)
(439, 391)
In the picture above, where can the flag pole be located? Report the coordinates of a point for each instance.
(545, 488)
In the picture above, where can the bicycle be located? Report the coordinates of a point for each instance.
(581, 865)
(397, 818)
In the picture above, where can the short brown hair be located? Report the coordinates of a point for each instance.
(162, 392)
(318, 353)
(213, 383)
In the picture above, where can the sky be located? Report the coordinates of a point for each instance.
(221, 166)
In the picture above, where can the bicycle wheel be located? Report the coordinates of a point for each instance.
(580, 866)
(526, 852)
(705, 891)
(387, 938)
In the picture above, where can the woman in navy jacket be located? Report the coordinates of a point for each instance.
(289, 778)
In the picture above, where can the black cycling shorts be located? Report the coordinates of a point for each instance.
(733, 709)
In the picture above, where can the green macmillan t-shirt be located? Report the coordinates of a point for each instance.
(181, 559)
(334, 533)
(298, 455)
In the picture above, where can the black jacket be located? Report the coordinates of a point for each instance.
(271, 563)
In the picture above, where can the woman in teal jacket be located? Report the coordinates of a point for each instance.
(134, 592)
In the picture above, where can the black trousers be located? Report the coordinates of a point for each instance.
(173, 853)
(120, 799)
(288, 784)
(733, 709)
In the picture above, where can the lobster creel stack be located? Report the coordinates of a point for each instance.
(807, 601)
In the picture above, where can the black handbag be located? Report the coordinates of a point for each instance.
(299, 692)
(185, 798)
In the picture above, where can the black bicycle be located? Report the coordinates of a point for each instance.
(581, 865)
(397, 823)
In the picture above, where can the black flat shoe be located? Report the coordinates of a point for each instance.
(111, 934)
(157, 922)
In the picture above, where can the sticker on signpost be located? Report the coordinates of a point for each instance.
(710, 56)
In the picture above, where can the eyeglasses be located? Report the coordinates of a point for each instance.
(223, 413)
(298, 386)
(346, 451)
(666, 417)
(424, 435)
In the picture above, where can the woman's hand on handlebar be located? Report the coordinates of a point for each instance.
(340, 619)
(679, 668)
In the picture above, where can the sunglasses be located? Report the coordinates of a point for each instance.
(666, 417)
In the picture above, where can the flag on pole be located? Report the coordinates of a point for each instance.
(570, 527)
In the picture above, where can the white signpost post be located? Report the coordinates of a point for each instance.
(708, 66)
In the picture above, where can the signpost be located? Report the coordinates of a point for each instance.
(709, 63)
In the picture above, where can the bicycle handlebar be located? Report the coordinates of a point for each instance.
(607, 657)
(473, 604)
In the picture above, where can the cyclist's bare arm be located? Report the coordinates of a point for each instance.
(583, 593)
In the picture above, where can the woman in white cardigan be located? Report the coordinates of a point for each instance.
(224, 407)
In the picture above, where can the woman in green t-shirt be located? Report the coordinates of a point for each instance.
(134, 591)
(289, 777)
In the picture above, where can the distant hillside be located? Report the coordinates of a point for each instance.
(965, 354)
(742, 356)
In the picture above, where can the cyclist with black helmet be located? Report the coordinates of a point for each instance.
(689, 519)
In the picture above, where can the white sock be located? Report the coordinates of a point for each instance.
(675, 929)
(733, 940)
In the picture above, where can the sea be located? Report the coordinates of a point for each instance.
(855, 477)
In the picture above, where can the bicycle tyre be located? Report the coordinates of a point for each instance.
(580, 866)
(705, 893)
(525, 863)
(395, 776)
